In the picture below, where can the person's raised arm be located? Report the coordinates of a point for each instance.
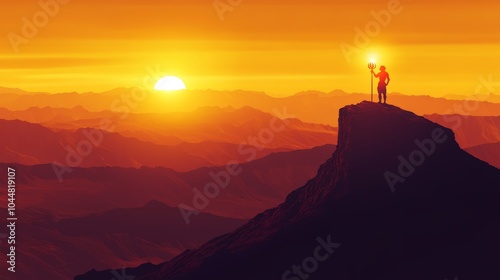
(374, 74)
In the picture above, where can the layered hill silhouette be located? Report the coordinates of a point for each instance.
(104, 217)
(207, 124)
(58, 249)
(262, 184)
(155, 222)
(50, 115)
(110, 149)
(103, 148)
(490, 97)
(398, 199)
(182, 141)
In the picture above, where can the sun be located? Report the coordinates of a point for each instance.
(170, 83)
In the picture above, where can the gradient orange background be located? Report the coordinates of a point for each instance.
(280, 47)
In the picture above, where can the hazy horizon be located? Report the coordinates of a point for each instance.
(449, 95)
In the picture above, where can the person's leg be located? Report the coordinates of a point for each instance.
(381, 91)
(385, 97)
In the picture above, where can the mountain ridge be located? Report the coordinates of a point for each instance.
(385, 227)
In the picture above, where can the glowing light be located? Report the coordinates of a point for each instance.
(372, 64)
(170, 83)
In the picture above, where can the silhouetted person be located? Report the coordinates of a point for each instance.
(382, 84)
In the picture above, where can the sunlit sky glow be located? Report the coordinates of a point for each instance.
(430, 47)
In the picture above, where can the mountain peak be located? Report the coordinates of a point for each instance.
(374, 141)
(373, 135)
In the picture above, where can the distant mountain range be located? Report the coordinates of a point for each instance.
(489, 97)
(179, 141)
(207, 124)
(313, 107)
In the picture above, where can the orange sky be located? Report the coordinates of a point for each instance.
(281, 47)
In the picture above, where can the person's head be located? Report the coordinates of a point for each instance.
(382, 68)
